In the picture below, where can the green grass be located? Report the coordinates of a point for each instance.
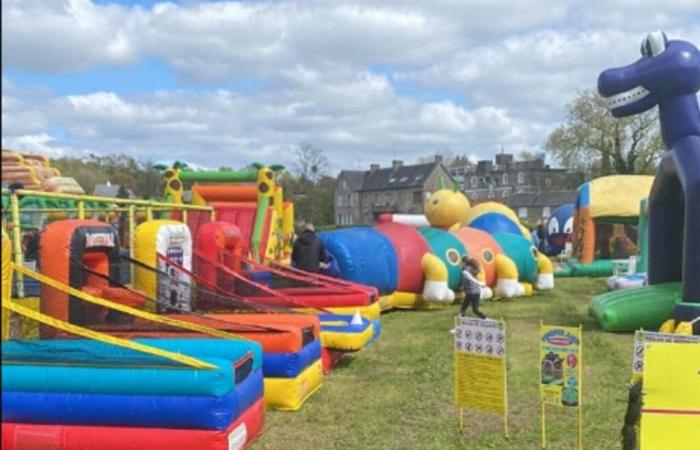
(398, 394)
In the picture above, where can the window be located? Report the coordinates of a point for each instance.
(473, 182)
(521, 177)
(491, 194)
(392, 180)
(339, 200)
(548, 181)
(339, 219)
(546, 211)
(504, 179)
(344, 184)
(522, 212)
(349, 201)
(417, 197)
(505, 193)
(403, 179)
(350, 221)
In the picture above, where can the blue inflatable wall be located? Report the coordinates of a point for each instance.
(364, 256)
(495, 223)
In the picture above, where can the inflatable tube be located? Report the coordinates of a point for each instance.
(371, 312)
(290, 393)
(20, 436)
(364, 256)
(449, 250)
(522, 252)
(211, 413)
(223, 193)
(597, 268)
(410, 246)
(88, 352)
(289, 365)
(631, 309)
(493, 223)
(109, 380)
(339, 333)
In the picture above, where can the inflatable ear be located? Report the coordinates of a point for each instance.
(276, 167)
(257, 165)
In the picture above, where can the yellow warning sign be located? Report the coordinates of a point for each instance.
(480, 366)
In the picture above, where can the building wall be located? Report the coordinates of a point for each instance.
(346, 204)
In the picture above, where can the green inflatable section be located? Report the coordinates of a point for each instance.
(449, 249)
(522, 252)
(631, 309)
(598, 268)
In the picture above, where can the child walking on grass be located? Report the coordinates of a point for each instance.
(472, 287)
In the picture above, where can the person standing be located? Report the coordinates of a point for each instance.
(308, 251)
(540, 236)
(472, 287)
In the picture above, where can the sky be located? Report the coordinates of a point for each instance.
(227, 83)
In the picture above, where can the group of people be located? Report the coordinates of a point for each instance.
(308, 254)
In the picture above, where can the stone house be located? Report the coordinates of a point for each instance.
(361, 196)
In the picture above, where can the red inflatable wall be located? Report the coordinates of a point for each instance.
(410, 247)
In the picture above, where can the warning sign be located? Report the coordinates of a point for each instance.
(560, 369)
(480, 365)
(641, 338)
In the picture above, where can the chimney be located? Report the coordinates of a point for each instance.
(373, 167)
(396, 164)
(438, 159)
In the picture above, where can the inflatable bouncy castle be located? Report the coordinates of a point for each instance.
(497, 241)
(109, 393)
(559, 229)
(249, 199)
(605, 223)
(667, 75)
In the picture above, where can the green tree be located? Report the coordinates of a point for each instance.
(595, 142)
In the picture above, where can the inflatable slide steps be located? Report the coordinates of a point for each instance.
(291, 346)
(83, 394)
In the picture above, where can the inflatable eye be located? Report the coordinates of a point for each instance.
(655, 43)
(436, 201)
(534, 251)
(569, 226)
(453, 256)
(553, 226)
(487, 255)
(169, 173)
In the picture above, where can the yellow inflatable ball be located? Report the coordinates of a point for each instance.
(445, 208)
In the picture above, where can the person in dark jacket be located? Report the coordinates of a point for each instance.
(472, 287)
(308, 251)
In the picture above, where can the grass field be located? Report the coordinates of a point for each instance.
(398, 394)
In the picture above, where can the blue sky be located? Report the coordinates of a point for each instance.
(225, 83)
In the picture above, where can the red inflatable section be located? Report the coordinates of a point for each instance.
(211, 239)
(243, 216)
(410, 247)
(239, 435)
(482, 247)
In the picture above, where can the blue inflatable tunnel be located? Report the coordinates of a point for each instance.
(364, 256)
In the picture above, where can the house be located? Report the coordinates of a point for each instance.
(499, 179)
(361, 196)
(110, 190)
(531, 207)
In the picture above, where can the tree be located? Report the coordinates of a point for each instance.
(310, 163)
(594, 141)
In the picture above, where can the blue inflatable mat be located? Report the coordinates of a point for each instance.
(94, 353)
(212, 413)
(290, 365)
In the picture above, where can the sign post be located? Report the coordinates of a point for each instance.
(561, 373)
(642, 338)
(480, 367)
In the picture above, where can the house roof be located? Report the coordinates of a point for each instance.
(547, 198)
(354, 178)
(109, 190)
(404, 177)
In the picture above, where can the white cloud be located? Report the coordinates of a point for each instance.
(472, 75)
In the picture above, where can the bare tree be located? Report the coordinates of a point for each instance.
(593, 141)
(311, 162)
